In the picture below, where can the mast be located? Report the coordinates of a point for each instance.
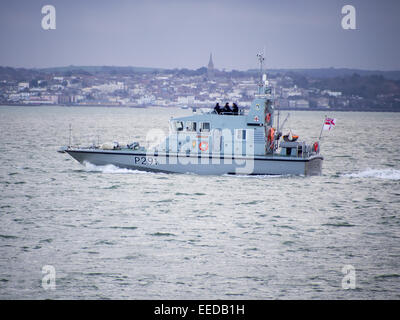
(261, 59)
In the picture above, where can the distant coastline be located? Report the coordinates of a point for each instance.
(325, 89)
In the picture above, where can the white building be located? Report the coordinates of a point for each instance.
(292, 92)
(110, 87)
(332, 93)
(23, 85)
(189, 100)
(146, 100)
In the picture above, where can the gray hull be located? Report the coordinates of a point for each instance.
(204, 164)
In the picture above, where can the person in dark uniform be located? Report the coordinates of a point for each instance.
(217, 108)
(235, 109)
(227, 109)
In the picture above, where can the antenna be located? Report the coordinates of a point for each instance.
(70, 134)
(264, 52)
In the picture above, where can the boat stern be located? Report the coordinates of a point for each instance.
(313, 167)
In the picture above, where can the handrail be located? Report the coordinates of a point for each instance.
(239, 113)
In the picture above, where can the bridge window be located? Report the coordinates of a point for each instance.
(204, 127)
(178, 126)
(191, 126)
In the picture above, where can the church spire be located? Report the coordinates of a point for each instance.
(210, 68)
(210, 62)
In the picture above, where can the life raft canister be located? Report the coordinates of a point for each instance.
(203, 146)
(267, 118)
(316, 146)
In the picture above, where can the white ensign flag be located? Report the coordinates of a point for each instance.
(329, 123)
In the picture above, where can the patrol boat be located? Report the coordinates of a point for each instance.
(216, 143)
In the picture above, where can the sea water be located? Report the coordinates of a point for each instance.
(112, 233)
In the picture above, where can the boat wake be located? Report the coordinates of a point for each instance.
(391, 174)
(257, 176)
(109, 168)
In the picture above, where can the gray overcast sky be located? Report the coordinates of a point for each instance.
(169, 34)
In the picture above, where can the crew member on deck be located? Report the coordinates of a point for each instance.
(227, 109)
(235, 109)
(217, 108)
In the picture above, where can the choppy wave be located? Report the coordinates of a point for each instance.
(391, 174)
(113, 235)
